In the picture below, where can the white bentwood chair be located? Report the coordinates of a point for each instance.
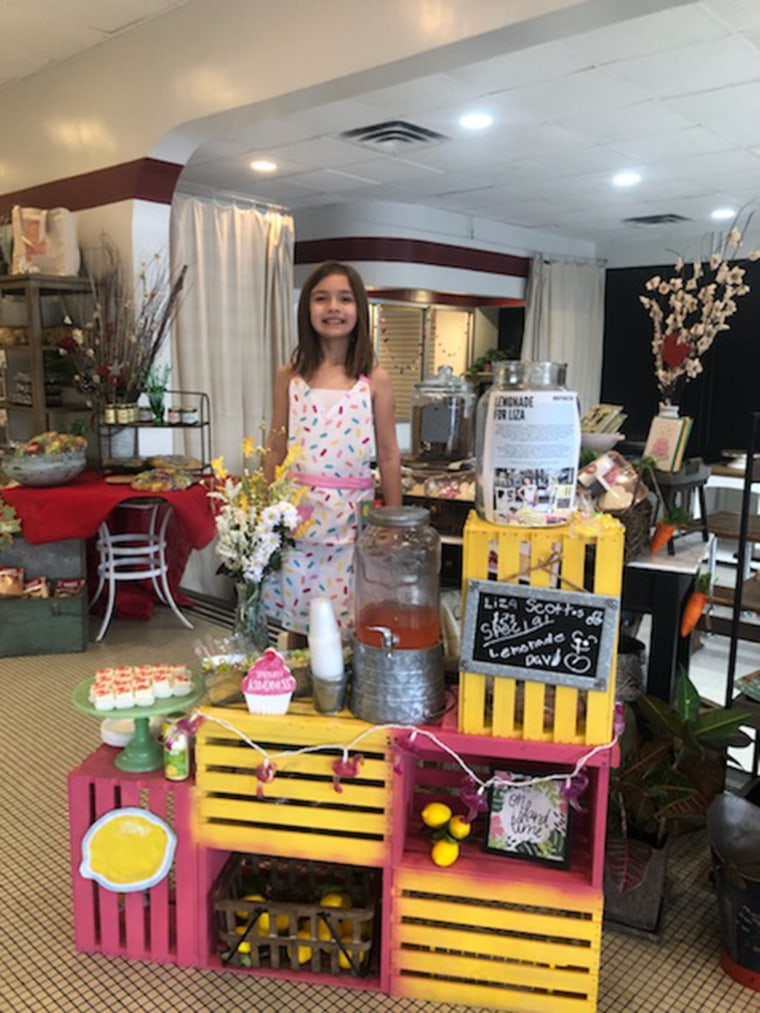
(135, 555)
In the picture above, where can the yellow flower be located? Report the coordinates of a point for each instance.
(217, 466)
(249, 447)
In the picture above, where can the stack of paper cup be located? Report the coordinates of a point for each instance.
(326, 657)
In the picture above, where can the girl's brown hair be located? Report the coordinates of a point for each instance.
(360, 357)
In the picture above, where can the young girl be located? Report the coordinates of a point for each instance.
(335, 403)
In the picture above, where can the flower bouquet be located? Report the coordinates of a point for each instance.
(689, 309)
(255, 521)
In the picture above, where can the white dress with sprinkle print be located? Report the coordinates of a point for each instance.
(335, 430)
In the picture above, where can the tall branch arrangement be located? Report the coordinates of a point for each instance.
(122, 328)
(688, 311)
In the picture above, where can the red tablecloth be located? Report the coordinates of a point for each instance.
(77, 509)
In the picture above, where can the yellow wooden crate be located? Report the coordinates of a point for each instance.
(590, 558)
(298, 814)
(516, 945)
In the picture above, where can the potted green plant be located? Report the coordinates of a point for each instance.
(155, 386)
(672, 759)
(483, 363)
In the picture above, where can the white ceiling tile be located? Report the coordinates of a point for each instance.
(385, 169)
(526, 67)
(649, 118)
(740, 15)
(587, 90)
(650, 33)
(336, 117)
(683, 69)
(693, 141)
(731, 112)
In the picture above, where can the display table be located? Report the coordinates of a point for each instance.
(659, 586)
(76, 510)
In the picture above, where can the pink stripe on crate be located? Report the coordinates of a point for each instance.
(83, 890)
(111, 942)
(134, 910)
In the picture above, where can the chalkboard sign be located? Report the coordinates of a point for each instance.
(560, 637)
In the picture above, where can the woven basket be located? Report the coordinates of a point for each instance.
(637, 521)
(297, 930)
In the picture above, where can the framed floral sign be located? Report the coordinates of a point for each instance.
(528, 820)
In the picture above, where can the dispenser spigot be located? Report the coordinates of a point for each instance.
(389, 638)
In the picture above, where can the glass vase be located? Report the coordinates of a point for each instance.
(250, 632)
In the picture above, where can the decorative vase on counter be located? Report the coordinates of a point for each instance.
(250, 632)
(667, 410)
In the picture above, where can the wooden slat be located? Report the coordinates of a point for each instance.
(232, 756)
(485, 942)
(352, 794)
(427, 990)
(532, 975)
(292, 844)
(347, 821)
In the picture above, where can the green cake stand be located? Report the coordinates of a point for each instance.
(143, 753)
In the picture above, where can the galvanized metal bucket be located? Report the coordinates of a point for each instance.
(404, 687)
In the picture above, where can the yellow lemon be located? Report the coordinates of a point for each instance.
(343, 960)
(444, 853)
(436, 814)
(245, 915)
(336, 899)
(245, 946)
(303, 953)
(264, 924)
(323, 932)
(458, 828)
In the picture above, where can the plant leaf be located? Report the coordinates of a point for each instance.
(686, 697)
(711, 727)
(627, 862)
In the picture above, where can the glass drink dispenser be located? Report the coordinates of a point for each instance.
(398, 658)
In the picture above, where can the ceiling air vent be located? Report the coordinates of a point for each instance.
(393, 135)
(666, 219)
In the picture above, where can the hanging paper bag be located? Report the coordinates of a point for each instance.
(44, 241)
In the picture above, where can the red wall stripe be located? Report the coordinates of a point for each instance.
(153, 180)
(410, 251)
(144, 179)
(411, 295)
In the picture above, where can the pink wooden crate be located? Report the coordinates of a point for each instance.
(156, 924)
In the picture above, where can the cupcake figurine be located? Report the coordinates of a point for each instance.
(268, 685)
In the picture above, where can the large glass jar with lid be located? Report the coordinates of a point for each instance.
(397, 658)
(443, 418)
(397, 573)
(527, 445)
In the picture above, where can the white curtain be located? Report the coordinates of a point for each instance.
(235, 328)
(564, 322)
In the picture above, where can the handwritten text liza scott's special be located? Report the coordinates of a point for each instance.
(503, 625)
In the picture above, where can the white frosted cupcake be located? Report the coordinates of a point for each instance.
(268, 684)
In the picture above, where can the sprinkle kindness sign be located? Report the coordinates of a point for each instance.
(540, 634)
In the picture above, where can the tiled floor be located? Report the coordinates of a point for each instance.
(40, 972)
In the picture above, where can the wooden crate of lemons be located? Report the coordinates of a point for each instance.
(287, 913)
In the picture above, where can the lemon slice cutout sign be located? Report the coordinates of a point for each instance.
(127, 850)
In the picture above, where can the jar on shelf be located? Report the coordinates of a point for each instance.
(174, 415)
(442, 419)
(527, 445)
(188, 415)
(109, 414)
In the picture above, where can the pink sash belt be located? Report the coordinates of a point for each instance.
(332, 481)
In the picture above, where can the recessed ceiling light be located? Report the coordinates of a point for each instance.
(721, 214)
(476, 121)
(628, 178)
(263, 165)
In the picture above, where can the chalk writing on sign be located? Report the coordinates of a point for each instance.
(563, 637)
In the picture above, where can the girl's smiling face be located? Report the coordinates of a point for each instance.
(332, 307)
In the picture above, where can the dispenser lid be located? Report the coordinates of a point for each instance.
(398, 517)
(444, 382)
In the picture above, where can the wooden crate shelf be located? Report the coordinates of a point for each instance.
(299, 813)
(517, 946)
(514, 709)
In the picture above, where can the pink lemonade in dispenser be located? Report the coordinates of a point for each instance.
(414, 626)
